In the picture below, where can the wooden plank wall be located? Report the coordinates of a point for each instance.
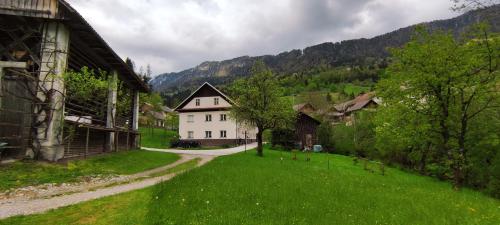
(31, 8)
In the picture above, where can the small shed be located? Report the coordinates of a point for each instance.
(305, 126)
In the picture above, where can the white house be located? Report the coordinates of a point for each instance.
(204, 117)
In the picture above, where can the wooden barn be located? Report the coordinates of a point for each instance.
(40, 41)
(306, 126)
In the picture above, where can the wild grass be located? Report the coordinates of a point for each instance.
(156, 137)
(274, 189)
(28, 173)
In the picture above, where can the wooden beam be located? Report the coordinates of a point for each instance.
(12, 64)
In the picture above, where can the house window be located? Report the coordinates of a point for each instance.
(197, 102)
(223, 117)
(223, 134)
(190, 118)
(208, 117)
(216, 101)
(208, 134)
(190, 134)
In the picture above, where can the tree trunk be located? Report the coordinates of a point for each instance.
(423, 159)
(259, 142)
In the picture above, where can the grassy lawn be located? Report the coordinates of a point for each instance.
(28, 173)
(246, 189)
(156, 137)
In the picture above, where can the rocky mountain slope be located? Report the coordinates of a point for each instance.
(350, 52)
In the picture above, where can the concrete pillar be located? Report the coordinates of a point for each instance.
(111, 110)
(135, 111)
(50, 90)
(135, 117)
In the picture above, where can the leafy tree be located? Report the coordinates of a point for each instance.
(86, 84)
(130, 63)
(325, 136)
(148, 74)
(403, 139)
(448, 82)
(152, 98)
(259, 103)
(364, 134)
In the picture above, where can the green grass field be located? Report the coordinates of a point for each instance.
(246, 189)
(26, 173)
(355, 90)
(156, 137)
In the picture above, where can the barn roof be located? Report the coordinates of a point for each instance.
(301, 106)
(81, 28)
(92, 49)
(356, 104)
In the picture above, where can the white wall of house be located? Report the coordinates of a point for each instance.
(196, 122)
(207, 102)
(210, 114)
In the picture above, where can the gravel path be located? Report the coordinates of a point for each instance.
(213, 152)
(32, 206)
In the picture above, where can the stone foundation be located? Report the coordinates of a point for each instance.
(220, 142)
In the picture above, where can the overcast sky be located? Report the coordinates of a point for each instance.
(174, 35)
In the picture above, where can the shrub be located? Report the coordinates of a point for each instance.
(184, 144)
(283, 137)
(325, 136)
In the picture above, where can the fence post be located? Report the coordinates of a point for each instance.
(87, 142)
(128, 135)
(117, 133)
(1, 87)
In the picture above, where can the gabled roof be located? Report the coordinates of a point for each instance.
(300, 107)
(358, 103)
(207, 88)
(80, 28)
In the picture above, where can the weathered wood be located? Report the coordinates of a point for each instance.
(39, 8)
(12, 64)
(87, 142)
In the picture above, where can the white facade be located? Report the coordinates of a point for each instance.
(196, 123)
(204, 118)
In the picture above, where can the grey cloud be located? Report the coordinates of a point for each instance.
(174, 35)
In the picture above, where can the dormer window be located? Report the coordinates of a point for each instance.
(197, 102)
(216, 101)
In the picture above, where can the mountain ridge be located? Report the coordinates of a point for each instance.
(330, 54)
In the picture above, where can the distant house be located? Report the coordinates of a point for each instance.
(159, 117)
(304, 107)
(306, 126)
(343, 111)
(167, 109)
(204, 118)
